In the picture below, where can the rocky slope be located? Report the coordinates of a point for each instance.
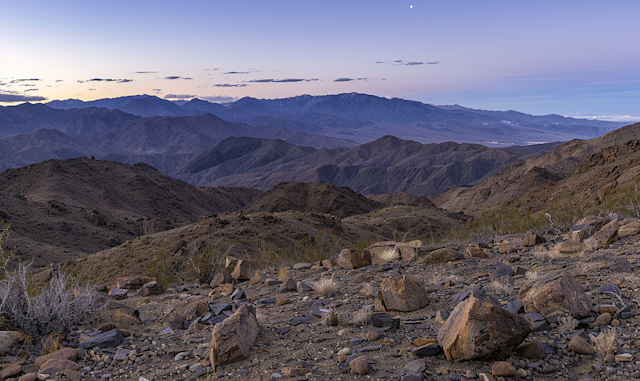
(345, 317)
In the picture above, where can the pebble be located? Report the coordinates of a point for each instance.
(503, 368)
(359, 365)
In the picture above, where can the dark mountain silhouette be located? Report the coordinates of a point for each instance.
(364, 118)
(60, 207)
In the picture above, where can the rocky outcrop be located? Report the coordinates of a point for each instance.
(555, 294)
(403, 293)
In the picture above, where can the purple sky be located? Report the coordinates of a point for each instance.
(538, 57)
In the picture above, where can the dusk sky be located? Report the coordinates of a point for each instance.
(539, 57)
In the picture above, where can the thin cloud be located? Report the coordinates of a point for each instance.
(379, 62)
(236, 72)
(286, 80)
(413, 63)
(220, 98)
(433, 63)
(60, 80)
(230, 85)
(146, 72)
(343, 80)
(30, 90)
(398, 61)
(107, 80)
(179, 96)
(10, 98)
(24, 80)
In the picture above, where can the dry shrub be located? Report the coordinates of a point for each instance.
(51, 344)
(284, 274)
(369, 290)
(361, 317)
(605, 342)
(501, 288)
(532, 276)
(566, 324)
(55, 309)
(262, 319)
(331, 319)
(325, 287)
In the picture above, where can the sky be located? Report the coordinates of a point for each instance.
(539, 57)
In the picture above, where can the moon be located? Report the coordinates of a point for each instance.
(410, 6)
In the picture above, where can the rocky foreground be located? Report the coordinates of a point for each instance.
(530, 307)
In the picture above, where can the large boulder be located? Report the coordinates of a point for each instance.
(605, 236)
(403, 293)
(151, 288)
(478, 329)
(233, 337)
(554, 295)
(387, 251)
(244, 270)
(532, 239)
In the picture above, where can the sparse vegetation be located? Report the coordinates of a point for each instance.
(361, 317)
(566, 324)
(54, 309)
(325, 287)
(605, 342)
(386, 256)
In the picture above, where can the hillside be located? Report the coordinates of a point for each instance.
(383, 166)
(61, 209)
(578, 175)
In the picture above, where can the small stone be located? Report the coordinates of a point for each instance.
(344, 354)
(603, 319)
(608, 308)
(533, 350)
(624, 357)
(471, 374)
(609, 358)
(359, 365)
(302, 266)
(615, 323)
(420, 341)
(373, 335)
(10, 370)
(28, 377)
(486, 377)
(503, 369)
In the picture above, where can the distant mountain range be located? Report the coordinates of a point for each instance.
(343, 139)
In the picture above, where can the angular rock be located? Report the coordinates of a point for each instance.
(510, 245)
(579, 233)
(532, 239)
(554, 295)
(107, 339)
(605, 236)
(117, 306)
(620, 265)
(503, 270)
(478, 329)
(10, 371)
(624, 357)
(290, 285)
(243, 270)
(432, 349)
(479, 252)
(302, 266)
(581, 344)
(151, 288)
(383, 319)
(232, 339)
(354, 259)
(230, 262)
(118, 293)
(220, 277)
(570, 248)
(443, 255)
(403, 293)
(603, 319)
(6, 342)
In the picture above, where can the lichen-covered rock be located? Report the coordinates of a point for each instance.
(403, 293)
(478, 329)
(233, 337)
(554, 295)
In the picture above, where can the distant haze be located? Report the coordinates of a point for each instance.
(537, 57)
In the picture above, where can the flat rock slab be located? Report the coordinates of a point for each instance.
(111, 338)
(232, 339)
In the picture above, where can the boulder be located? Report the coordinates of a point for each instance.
(386, 251)
(6, 342)
(151, 288)
(359, 365)
(443, 255)
(579, 233)
(503, 369)
(533, 350)
(532, 239)
(243, 270)
(403, 293)
(118, 293)
(510, 245)
(107, 339)
(10, 371)
(131, 283)
(581, 344)
(479, 329)
(605, 236)
(570, 248)
(554, 295)
(230, 262)
(354, 259)
(233, 337)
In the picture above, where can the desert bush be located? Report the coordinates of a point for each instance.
(605, 342)
(56, 308)
(389, 255)
(361, 317)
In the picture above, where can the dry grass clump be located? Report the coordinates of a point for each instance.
(369, 290)
(262, 319)
(118, 318)
(532, 276)
(567, 249)
(386, 256)
(566, 324)
(361, 317)
(331, 319)
(605, 342)
(325, 287)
